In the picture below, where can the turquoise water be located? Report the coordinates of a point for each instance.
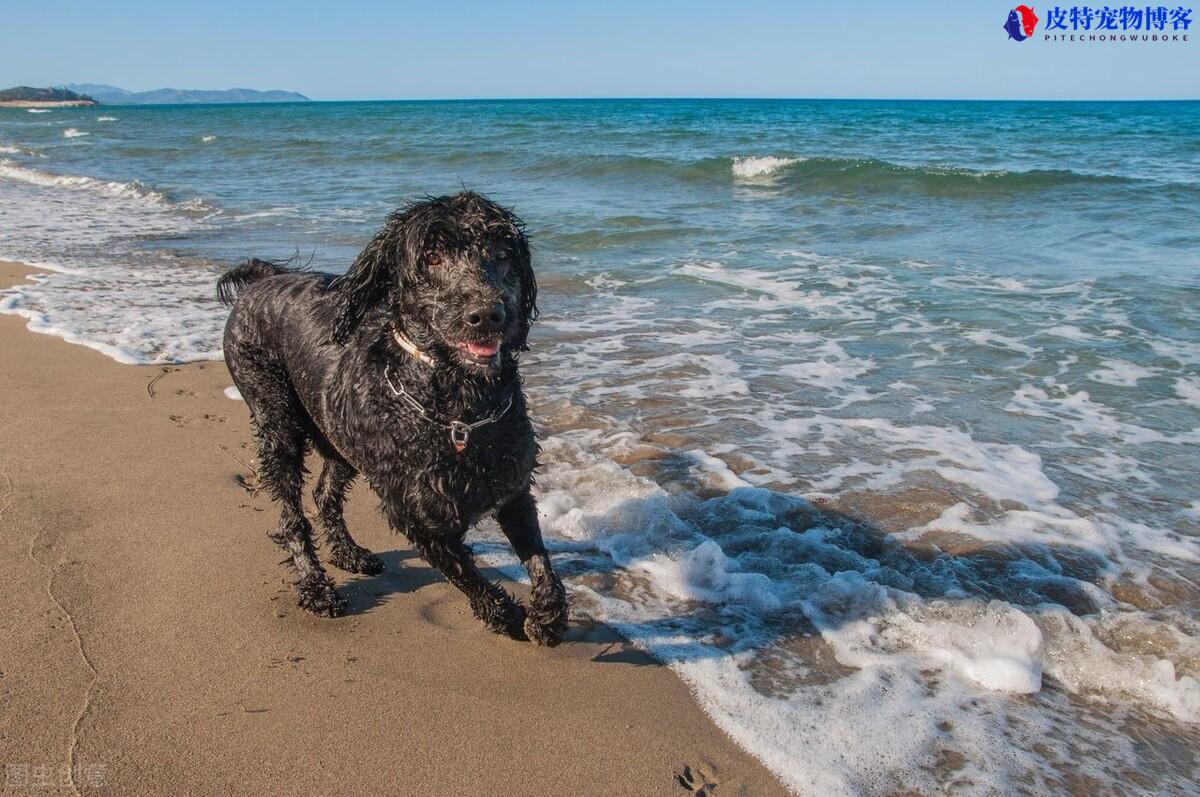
(878, 421)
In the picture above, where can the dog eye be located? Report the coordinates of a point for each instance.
(502, 255)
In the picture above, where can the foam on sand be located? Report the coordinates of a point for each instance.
(722, 590)
(135, 305)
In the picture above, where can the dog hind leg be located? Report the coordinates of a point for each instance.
(330, 494)
(283, 430)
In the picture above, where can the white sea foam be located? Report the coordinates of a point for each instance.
(987, 337)
(11, 170)
(133, 304)
(208, 139)
(758, 166)
(106, 118)
(71, 132)
(766, 291)
(1069, 331)
(1188, 389)
(38, 110)
(1120, 372)
(285, 210)
(830, 367)
(717, 474)
(1184, 352)
(913, 647)
(1085, 417)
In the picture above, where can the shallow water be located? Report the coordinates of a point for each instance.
(878, 421)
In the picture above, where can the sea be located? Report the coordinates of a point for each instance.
(877, 421)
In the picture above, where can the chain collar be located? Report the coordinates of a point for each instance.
(460, 430)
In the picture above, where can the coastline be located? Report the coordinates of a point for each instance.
(152, 638)
(49, 104)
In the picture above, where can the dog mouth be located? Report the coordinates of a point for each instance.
(479, 352)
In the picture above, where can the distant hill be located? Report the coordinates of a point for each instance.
(96, 90)
(112, 95)
(24, 95)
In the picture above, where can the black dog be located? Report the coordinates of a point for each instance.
(404, 370)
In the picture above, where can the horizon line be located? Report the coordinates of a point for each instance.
(655, 98)
(793, 98)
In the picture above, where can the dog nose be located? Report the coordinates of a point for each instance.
(486, 318)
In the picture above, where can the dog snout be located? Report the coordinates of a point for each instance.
(485, 318)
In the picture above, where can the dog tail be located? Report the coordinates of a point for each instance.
(235, 280)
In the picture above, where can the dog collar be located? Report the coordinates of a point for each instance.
(460, 430)
(412, 349)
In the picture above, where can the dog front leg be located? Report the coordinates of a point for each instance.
(546, 623)
(490, 603)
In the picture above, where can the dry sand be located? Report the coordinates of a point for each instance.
(147, 638)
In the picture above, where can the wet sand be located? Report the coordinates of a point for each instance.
(149, 642)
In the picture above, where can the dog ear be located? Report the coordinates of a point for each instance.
(529, 309)
(369, 280)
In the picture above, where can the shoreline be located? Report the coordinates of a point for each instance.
(49, 104)
(154, 640)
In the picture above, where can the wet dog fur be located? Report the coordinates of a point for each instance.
(319, 364)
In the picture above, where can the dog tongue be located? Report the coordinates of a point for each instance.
(483, 349)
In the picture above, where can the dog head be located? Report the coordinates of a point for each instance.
(454, 273)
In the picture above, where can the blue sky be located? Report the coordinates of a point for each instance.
(384, 50)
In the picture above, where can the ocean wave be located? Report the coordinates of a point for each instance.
(752, 166)
(133, 190)
(875, 175)
(208, 139)
(38, 110)
(71, 132)
(799, 174)
(106, 118)
(267, 213)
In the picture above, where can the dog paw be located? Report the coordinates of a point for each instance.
(355, 559)
(547, 620)
(546, 625)
(501, 614)
(317, 595)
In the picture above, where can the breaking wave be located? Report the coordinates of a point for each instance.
(132, 190)
(798, 174)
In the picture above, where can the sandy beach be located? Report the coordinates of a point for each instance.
(150, 643)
